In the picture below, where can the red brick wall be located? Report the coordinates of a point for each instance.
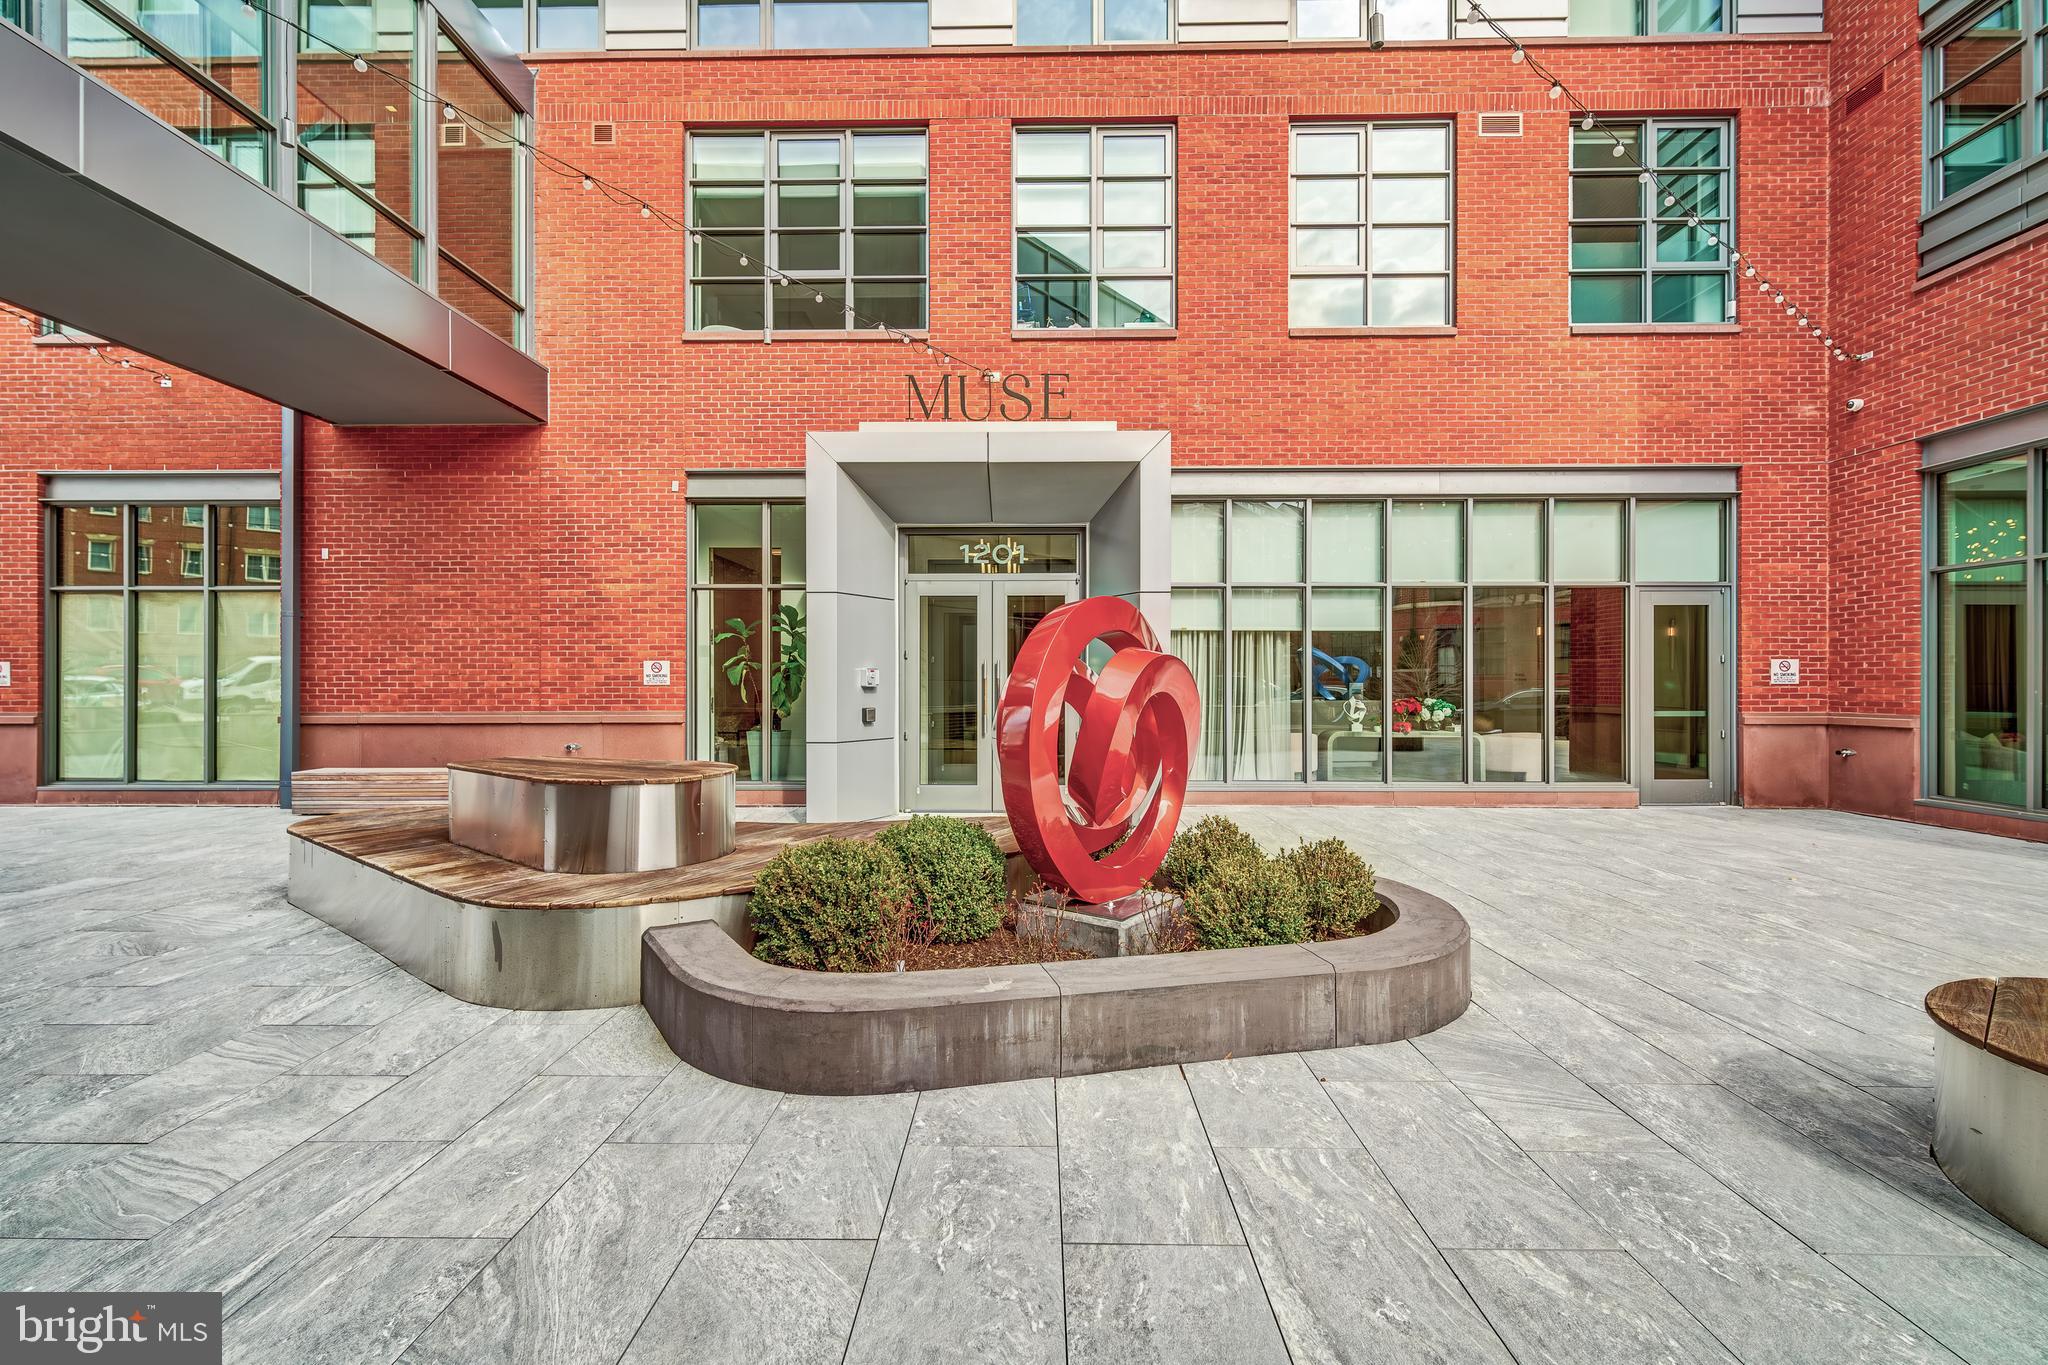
(1968, 344)
(479, 571)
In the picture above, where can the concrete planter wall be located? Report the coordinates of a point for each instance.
(728, 1013)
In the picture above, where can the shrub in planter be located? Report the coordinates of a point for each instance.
(829, 904)
(955, 872)
(1336, 884)
(1198, 848)
(1245, 902)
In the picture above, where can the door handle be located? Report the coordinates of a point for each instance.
(982, 714)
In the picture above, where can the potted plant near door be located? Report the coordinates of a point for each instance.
(785, 639)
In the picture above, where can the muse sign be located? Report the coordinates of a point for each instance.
(972, 398)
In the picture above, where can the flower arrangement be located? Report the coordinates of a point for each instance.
(1428, 713)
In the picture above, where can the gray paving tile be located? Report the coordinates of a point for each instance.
(1537, 1103)
(441, 1100)
(138, 1190)
(407, 1041)
(968, 1265)
(756, 1303)
(354, 1301)
(1574, 1307)
(37, 1103)
(1266, 1102)
(627, 1044)
(574, 1285)
(34, 1265)
(1379, 1062)
(1006, 1114)
(690, 1106)
(823, 1167)
(140, 1049)
(1135, 1163)
(1824, 1200)
(242, 1241)
(1986, 1310)
(147, 1108)
(1583, 1041)
(1350, 1273)
(1167, 1305)
(381, 997)
(490, 1180)
(1468, 1184)
(1757, 1288)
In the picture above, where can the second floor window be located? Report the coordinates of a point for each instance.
(1071, 23)
(823, 24)
(1094, 215)
(844, 212)
(1977, 91)
(1371, 225)
(1602, 18)
(1643, 254)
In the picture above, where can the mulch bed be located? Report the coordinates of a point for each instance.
(1003, 948)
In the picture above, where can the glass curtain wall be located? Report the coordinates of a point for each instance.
(748, 638)
(1425, 641)
(478, 168)
(1984, 595)
(358, 130)
(167, 660)
(199, 65)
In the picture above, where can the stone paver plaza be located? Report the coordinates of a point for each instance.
(1686, 1120)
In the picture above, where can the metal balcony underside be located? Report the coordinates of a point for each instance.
(121, 226)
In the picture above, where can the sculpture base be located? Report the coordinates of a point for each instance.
(1123, 927)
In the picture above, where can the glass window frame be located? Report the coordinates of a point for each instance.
(1097, 36)
(522, 184)
(2029, 111)
(767, 43)
(697, 699)
(1650, 28)
(205, 593)
(845, 279)
(1367, 222)
(2032, 565)
(1467, 588)
(1653, 216)
(1097, 179)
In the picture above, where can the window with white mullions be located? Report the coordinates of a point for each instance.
(1977, 94)
(1644, 251)
(844, 212)
(1094, 210)
(1071, 23)
(1371, 225)
(1399, 19)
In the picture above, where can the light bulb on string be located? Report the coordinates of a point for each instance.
(1645, 177)
(1518, 56)
(1669, 200)
(448, 112)
(1556, 91)
(1749, 271)
(360, 65)
(586, 182)
(1617, 150)
(646, 212)
(817, 298)
(1587, 122)
(163, 381)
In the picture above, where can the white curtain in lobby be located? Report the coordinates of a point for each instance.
(1198, 643)
(1265, 669)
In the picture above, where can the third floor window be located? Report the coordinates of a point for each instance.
(1071, 23)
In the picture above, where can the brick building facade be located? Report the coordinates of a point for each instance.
(464, 592)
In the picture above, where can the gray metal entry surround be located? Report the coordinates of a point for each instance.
(861, 487)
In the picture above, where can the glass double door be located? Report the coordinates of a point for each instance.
(1683, 736)
(960, 635)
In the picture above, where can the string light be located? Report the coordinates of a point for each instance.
(32, 323)
(1521, 56)
(589, 180)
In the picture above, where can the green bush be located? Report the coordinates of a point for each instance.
(1243, 902)
(828, 904)
(1198, 848)
(956, 874)
(1336, 884)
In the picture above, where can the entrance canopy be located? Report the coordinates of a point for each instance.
(863, 488)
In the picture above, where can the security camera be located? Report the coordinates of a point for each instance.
(1855, 405)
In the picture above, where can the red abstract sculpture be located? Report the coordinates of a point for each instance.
(1128, 772)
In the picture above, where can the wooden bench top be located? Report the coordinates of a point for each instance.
(411, 843)
(2006, 1016)
(598, 772)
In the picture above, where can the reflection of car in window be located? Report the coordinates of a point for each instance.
(1521, 710)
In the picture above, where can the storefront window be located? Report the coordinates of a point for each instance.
(1426, 641)
(749, 638)
(1986, 593)
(168, 660)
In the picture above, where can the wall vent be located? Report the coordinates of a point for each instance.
(1500, 125)
(604, 134)
(1864, 93)
(454, 135)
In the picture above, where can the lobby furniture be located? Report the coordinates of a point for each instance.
(1991, 1094)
